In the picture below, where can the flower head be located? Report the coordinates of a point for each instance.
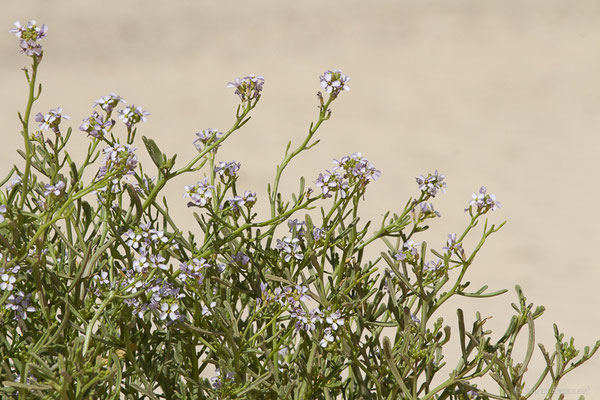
(132, 115)
(55, 190)
(30, 35)
(357, 169)
(332, 182)
(483, 202)
(431, 184)
(118, 158)
(333, 82)
(206, 138)
(109, 102)
(228, 170)
(96, 126)
(51, 120)
(248, 87)
(200, 193)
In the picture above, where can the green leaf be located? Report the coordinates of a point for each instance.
(154, 151)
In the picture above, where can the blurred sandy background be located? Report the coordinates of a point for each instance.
(499, 93)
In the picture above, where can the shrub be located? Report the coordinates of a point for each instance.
(102, 296)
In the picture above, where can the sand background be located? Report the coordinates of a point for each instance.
(504, 94)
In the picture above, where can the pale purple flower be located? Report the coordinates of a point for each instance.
(318, 234)
(433, 266)
(220, 379)
(412, 247)
(428, 211)
(51, 120)
(30, 35)
(330, 182)
(171, 311)
(56, 190)
(30, 48)
(8, 277)
(400, 256)
(241, 258)
(357, 169)
(32, 31)
(20, 303)
(206, 138)
(132, 115)
(302, 293)
(431, 184)
(248, 87)
(290, 248)
(193, 270)
(207, 310)
(119, 158)
(96, 126)
(335, 320)
(109, 102)
(102, 278)
(14, 182)
(452, 246)
(297, 228)
(334, 81)
(415, 319)
(2, 211)
(228, 170)
(200, 193)
(248, 199)
(483, 202)
(328, 338)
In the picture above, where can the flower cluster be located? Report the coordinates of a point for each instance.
(297, 228)
(227, 171)
(51, 120)
(55, 190)
(206, 138)
(199, 194)
(2, 212)
(350, 171)
(335, 321)
(119, 158)
(148, 261)
(333, 82)
(331, 182)
(421, 211)
(357, 169)
(431, 184)
(8, 277)
(146, 237)
(293, 299)
(193, 270)
(221, 379)
(290, 249)
(483, 202)
(433, 265)
(109, 102)
(410, 251)
(20, 303)
(30, 35)
(248, 199)
(248, 87)
(453, 246)
(96, 126)
(132, 115)
(164, 299)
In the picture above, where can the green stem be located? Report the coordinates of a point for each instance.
(25, 121)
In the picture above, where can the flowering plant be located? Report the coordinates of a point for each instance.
(103, 296)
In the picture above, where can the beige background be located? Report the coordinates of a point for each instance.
(499, 93)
